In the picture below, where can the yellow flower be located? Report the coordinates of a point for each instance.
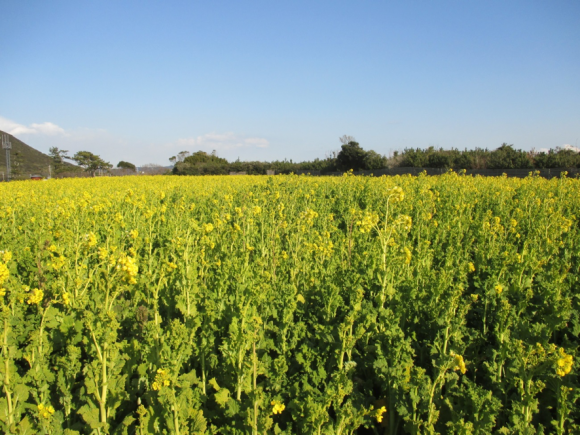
(408, 255)
(471, 267)
(6, 256)
(379, 414)
(129, 266)
(459, 364)
(208, 228)
(564, 363)
(300, 298)
(499, 288)
(66, 298)
(91, 239)
(161, 380)
(45, 411)
(36, 297)
(4, 273)
(277, 407)
(133, 234)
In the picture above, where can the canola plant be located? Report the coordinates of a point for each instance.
(290, 305)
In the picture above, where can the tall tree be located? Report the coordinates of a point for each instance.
(351, 156)
(58, 157)
(90, 162)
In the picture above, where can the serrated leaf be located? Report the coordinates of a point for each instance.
(222, 396)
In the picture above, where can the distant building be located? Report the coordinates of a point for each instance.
(36, 177)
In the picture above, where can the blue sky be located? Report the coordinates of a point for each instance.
(143, 80)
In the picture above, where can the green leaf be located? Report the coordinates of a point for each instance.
(222, 396)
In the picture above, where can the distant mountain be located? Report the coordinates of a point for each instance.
(25, 160)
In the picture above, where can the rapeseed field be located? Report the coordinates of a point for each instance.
(290, 305)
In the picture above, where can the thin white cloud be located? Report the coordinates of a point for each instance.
(45, 128)
(571, 148)
(223, 141)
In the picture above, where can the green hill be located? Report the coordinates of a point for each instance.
(25, 161)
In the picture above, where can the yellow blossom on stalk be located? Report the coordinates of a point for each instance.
(45, 412)
(277, 407)
(91, 239)
(378, 414)
(397, 194)
(66, 298)
(458, 363)
(564, 363)
(471, 267)
(208, 228)
(300, 299)
(257, 210)
(171, 266)
(408, 255)
(6, 256)
(36, 297)
(2, 292)
(128, 265)
(499, 288)
(103, 254)
(133, 234)
(4, 273)
(161, 380)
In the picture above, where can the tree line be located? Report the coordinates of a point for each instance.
(350, 156)
(85, 160)
(353, 156)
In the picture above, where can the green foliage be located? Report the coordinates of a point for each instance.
(90, 162)
(126, 165)
(506, 157)
(290, 304)
(351, 156)
(58, 157)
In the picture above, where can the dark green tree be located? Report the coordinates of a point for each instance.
(351, 156)
(58, 157)
(90, 162)
(506, 157)
(126, 165)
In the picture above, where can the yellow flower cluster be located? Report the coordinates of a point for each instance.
(91, 239)
(378, 414)
(458, 363)
(397, 194)
(45, 412)
(6, 256)
(129, 266)
(564, 363)
(368, 221)
(4, 273)
(408, 255)
(161, 380)
(35, 297)
(277, 407)
(66, 298)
